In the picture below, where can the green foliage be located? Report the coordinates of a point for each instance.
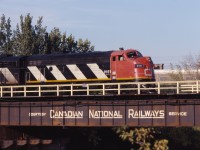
(28, 39)
(142, 138)
(5, 35)
(161, 138)
(55, 38)
(85, 46)
(24, 36)
(39, 38)
(68, 44)
(161, 145)
(182, 138)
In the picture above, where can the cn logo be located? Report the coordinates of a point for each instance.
(147, 72)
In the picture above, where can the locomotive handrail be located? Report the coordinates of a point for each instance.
(161, 87)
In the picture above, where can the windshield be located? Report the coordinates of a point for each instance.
(139, 54)
(134, 54)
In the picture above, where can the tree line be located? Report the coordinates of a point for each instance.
(27, 39)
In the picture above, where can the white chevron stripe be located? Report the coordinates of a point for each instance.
(76, 71)
(8, 75)
(36, 73)
(56, 73)
(97, 71)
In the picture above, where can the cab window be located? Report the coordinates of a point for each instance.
(113, 58)
(120, 58)
(134, 54)
(131, 54)
(139, 54)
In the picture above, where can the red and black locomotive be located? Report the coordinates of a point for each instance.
(120, 65)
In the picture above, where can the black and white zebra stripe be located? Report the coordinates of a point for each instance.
(67, 72)
(8, 76)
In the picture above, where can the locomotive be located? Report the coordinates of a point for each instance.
(104, 66)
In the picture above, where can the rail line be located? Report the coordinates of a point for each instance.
(102, 89)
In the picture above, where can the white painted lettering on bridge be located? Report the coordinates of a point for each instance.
(146, 114)
(37, 114)
(66, 114)
(184, 114)
(105, 114)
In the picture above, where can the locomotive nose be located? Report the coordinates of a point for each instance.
(148, 70)
(149, 59)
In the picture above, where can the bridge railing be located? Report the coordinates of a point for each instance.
(163, 87)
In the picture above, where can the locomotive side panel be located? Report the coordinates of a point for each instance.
(11, 70)
(121, 68)
(68, 68)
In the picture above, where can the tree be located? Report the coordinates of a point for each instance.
(28, 39)
(85, 46)
(176, 74)
(68, 44)
(183, 138)
(55, 40)
(2, 32)
(189, 68)
(47, 44)
(71, 44)
(142, 138)
(5, 35)
(63, 45)
(24, 37)
(40, 37)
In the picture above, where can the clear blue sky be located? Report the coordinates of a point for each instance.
(166, 30)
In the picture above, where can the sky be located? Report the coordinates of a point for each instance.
(166, 30)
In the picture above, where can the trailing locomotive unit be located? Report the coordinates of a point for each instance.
(120, 65)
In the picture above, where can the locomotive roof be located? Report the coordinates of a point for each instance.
(11, 58)
(71, 55)
(98, 54)
(120, 52)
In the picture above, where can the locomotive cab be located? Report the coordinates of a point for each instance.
(131, 65)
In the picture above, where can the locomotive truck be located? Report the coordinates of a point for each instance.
(104, 66)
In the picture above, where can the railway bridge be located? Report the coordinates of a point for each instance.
(171, 103)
